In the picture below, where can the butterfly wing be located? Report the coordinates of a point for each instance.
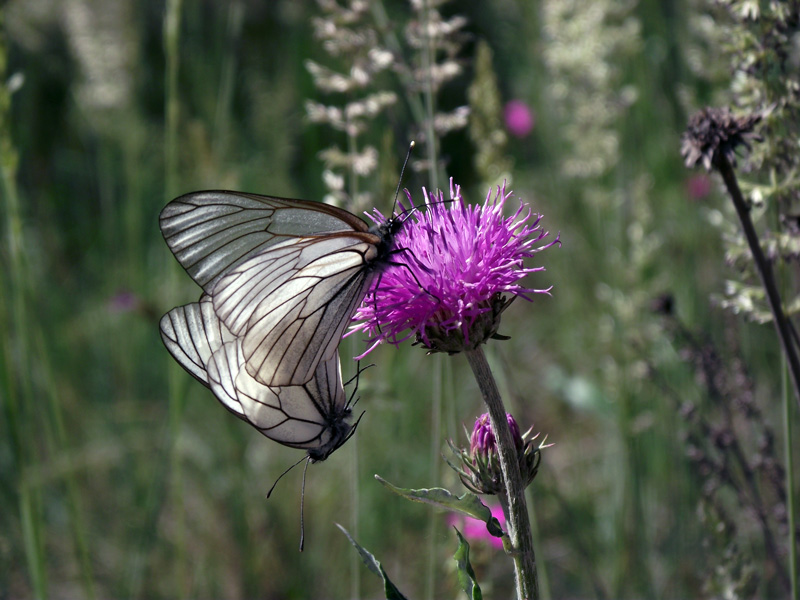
(312, 416)
(291, 303)
(209, 232)
(193, 334)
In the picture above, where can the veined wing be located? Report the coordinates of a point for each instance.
(291, 303)
(312, 416)
(192, 333)
(211, 231)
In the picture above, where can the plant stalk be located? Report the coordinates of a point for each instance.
(790, 504)
(519, 527)
(428, 57)
(764, 269)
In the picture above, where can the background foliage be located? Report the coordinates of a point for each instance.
(122, 477)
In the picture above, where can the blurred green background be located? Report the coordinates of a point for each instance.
(123, 478)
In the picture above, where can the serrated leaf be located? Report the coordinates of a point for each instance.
(465, 574)
(392, 593)
(467, 504)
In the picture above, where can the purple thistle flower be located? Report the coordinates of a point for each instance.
(460, 269)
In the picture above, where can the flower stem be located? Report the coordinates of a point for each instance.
(725, 169)
(519, 527)
(790, 485)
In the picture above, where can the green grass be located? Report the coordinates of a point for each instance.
(123, 477)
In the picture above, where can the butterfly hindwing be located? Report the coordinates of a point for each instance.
(211, 231)
(192, 333)
(312, 416)
(309, 416)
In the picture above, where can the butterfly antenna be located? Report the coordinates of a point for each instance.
(302, 501)
(356, 378)
(359, 371)
(284, 473)
(402, 172)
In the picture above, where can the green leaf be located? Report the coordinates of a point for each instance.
(465, 574)
(467, 504)
(392, 593)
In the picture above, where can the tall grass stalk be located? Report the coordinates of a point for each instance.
(222, 111)
(355, 505)
(172, 22)
(165, 472)
(57, 445)
(433, 174)
(18, 395)
(788, 415)
(392, 42)
(355, 496)
(430, 107)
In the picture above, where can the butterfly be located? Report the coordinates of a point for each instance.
(281, 278)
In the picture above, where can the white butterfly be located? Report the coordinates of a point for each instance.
(281, 280)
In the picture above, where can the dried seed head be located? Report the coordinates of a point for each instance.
(714, 133)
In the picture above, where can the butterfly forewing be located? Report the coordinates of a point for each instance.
(292, 302)
(209, 232)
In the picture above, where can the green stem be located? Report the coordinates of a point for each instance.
(519, 527)
(172, 22)
(787, 435)
(434, 519)
(18, 396)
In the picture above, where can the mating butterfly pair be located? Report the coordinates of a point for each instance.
(281, 279)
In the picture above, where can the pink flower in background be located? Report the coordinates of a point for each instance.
(123, 301)
(520, 119)
(475, 530)
(698, 186)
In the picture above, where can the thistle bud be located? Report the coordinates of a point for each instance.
(480, 465)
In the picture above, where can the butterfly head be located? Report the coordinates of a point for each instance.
(386, 231)
(339, 431)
